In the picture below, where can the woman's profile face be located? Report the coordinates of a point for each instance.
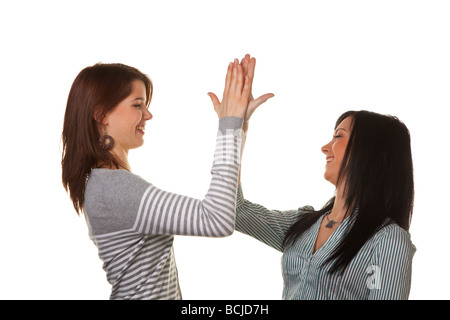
(126, 122)
(335, 150)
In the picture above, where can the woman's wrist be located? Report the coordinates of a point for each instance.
(245, 126)
(230, 122)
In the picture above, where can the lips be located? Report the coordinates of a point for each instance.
(329, 159)
(141, 129)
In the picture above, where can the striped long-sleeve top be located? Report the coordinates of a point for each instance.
(380, 270)
(133, 223)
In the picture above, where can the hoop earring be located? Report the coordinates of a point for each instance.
(106, 141)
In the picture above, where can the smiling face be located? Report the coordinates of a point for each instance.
(335, 150)
(126, 122)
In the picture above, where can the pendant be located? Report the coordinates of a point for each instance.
(330, 224)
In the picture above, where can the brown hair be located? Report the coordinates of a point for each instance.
(95, 91)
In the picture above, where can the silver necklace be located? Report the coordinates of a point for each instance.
(331, 223)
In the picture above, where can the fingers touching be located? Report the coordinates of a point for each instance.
(237, 95)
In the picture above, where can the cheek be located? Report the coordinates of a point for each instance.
(136, 117)
(339, 149)
(130, 120)
(122, 127)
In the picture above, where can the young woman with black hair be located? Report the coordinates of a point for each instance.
(357, 246)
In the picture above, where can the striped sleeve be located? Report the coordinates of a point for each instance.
(267, 226)
(391, 265)
(166, 213)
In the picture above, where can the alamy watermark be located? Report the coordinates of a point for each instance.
(373, 282)
(230, 152)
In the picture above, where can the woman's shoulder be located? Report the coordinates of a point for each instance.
(112, 199)
(305, 209)
(115, 185)
(391, 228)
(116, 177)
(393, 235)
(108, 173)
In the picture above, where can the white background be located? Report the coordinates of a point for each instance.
(319, 58)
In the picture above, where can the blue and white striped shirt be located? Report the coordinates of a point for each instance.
(380, 270)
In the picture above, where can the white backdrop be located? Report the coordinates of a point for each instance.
(319, 58)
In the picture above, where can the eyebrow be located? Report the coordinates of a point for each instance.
(336, 131)
(141, 100)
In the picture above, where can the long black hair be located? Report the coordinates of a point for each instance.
(379, 183)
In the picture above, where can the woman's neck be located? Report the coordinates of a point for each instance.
(340, 208)
(123, 164)
(122, 156)
(122, 159)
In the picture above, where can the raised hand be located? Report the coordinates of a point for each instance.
(248, 64)
(235, 95)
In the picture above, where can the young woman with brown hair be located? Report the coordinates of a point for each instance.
(131, 221)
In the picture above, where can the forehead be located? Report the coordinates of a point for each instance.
(345, 124)
(138, 90)
(138, 86)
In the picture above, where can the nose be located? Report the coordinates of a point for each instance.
(326, 148)
(147, 114)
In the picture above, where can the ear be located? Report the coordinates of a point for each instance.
(101, 119)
